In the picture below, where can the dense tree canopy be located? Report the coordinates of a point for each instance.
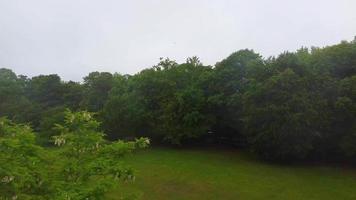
(297, 105)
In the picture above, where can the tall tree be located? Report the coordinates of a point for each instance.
(97, 86)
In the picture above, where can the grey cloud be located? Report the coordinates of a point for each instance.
(72, 38)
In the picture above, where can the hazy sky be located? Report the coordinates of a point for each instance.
(74, 37)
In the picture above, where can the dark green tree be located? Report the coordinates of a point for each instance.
(97, 86)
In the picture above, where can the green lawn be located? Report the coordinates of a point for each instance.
(208, 174)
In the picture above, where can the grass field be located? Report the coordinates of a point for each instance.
(221, 174)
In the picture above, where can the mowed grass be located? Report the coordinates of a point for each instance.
(220, 174)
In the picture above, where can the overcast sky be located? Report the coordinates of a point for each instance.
(74, 37)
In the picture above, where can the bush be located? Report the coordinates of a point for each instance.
(82, 166)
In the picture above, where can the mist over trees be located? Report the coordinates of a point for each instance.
(298, 105)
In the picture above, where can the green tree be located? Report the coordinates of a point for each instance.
(46, 90)
(344, 121)
(13, 102)
(97, 86)
(72, 95)
(226, 88)
(83, 166)
(282, 118)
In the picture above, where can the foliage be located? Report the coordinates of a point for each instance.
(165, 102)
(281, 124)
(297, 105)
(96, 89)
(82, 166)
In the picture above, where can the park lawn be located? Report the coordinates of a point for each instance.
(164, 173)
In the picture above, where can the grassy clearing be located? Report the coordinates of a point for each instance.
(207, 174)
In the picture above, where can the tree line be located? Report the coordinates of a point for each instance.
(294, 106)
